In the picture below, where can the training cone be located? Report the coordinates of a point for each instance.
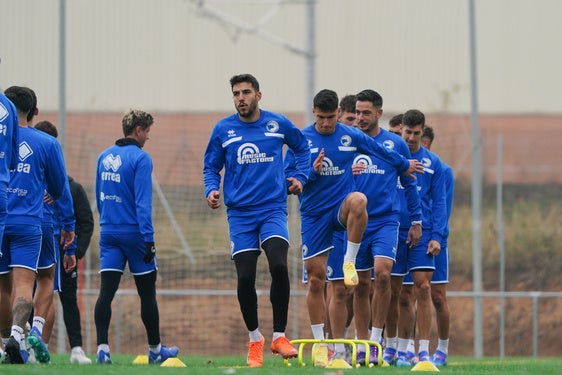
(140, 360)
(425, 366)
(173, 362)
(339, 364)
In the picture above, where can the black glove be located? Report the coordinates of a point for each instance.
(150, 252)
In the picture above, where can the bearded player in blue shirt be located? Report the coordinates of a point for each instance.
(330, 202)
(380, 240)
(249, 146)
(39, 170)
(419, 260)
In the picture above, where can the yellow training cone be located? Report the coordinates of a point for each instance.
(425, 366)
(173, 362)
(140, 360)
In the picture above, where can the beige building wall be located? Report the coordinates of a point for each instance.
(175, 55)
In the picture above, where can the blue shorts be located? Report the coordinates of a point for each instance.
(412, 259)
(249, 229)
(334, 271)
(21, 246)
(441, 273)
(118, 249)
(380, 239)
(317, 233)
(48, 255)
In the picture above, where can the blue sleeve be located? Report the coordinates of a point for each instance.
(411, 191)
(369, 146)
(301, 155)
(65, 210)
(143, 196)
(438, 205)
(55, 174)
(214, 161)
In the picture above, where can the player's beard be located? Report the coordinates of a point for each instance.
(248, 111)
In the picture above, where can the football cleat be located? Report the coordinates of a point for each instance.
(103, 358)
(320, 352)
(283, 346)
(14, 353)
(164, 354)
(439, 358)
(350, 277)
(77, 356)
(402, 360)
(255, 353)
(35, 341)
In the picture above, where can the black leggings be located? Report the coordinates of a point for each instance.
(276, 250)
(146, 289)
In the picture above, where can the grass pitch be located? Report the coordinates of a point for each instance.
(201, 365)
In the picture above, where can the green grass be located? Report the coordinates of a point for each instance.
(273, 365)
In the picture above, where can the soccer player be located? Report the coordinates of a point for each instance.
(330, 203)
(65, 278)
(395, 124)
(249, 146)
(8, 160)
(440, 277)
(419, 260)
(124, 202)
(378, 247)
(39, 170)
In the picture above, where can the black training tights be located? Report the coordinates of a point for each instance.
(146, 289)
(276, 250)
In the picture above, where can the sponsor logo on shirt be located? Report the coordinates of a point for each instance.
(249, 153)
(3, 113)
(104, 197)
(111, 164)
(369, 166)
(329, 169)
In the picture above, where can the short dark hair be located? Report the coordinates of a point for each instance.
(134, 118)
(396, 120)
(48, 128)
(428, 133)
(22, 97)
(326, 100)
(372, 96)
(413, 117)
(347, 103)
(33, 109)
(245, 78)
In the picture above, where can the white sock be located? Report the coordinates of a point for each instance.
(155, 348)
(411, 346)
(351, 251)
(318, 331)
(17, 332)
(38, 322)
(443, 346)
(423, 346)
(376, 334)
(255, 335)
(77, 349)
(345, 332)
(392, 342)
(339, 348)
(402, 345)
(276, 335)
(103, 347)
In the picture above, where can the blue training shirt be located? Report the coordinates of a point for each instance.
(9, 130)
(252, 155)
(40, 168)
(431, 188)
(378, 181)
(124, 189)
(326, 190)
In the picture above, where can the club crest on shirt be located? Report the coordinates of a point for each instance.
(3, 113)
(388, 144)
(345, 140)
(272, 126)
(249, 153)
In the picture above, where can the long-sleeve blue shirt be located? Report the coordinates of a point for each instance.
(449, 178)
(378, 181)
(9, 129)
(41, 167)
(252, 157)
(124, 189)
(327, 189)
(431, 188)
